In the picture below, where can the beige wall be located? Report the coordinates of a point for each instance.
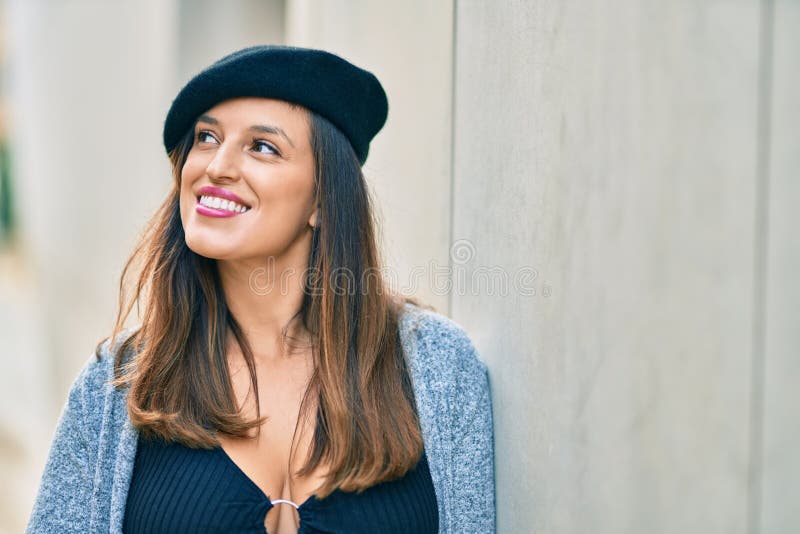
(617, 150)
(780, 435)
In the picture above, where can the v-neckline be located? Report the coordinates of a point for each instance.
(312, 498)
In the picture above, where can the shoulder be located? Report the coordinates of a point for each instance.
(92, 385)
(442, 351)
(99, 368)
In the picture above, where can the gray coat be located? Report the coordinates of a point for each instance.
(86, 478)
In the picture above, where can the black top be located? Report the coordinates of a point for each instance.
(179, 489)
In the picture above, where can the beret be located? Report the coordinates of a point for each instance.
(348, 96)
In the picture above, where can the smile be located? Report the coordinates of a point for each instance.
(219, 207)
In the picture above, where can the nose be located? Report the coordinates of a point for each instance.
(225, 163)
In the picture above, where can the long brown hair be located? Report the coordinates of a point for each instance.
(367, 427)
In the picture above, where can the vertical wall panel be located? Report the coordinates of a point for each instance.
(781, 461)
(610, 148)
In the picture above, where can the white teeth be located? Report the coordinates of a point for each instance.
(222, 203)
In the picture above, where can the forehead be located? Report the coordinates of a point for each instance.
(244, 112)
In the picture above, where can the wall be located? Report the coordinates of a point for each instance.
(616, 151)
(779, 439)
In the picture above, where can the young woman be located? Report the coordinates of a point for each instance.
(275, 383)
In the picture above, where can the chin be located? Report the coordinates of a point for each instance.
(207, 249)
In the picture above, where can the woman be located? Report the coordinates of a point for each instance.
(274, 382)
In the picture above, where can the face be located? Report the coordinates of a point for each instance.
(257, 153)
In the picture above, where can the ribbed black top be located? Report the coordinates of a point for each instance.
(179, 489)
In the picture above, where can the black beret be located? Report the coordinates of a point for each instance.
(348, 96)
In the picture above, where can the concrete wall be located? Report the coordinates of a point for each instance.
(616, 150)
(781, 292)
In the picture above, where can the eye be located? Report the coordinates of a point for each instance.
(259, 143)
(202, 134)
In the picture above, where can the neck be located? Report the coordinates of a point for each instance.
(263, 295)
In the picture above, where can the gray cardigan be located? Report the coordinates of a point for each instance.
(88, 471)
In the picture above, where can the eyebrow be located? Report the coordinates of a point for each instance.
(256, 127)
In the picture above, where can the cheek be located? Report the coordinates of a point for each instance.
(290, 201)
(191, 169)
(186, 199)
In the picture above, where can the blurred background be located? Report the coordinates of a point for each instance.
(600, 192)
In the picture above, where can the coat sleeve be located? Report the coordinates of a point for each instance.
(472, 463)
(460, 380)
(62, 502)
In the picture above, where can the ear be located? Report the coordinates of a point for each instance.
(313, 220)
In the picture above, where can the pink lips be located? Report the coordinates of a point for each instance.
(218, 192)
